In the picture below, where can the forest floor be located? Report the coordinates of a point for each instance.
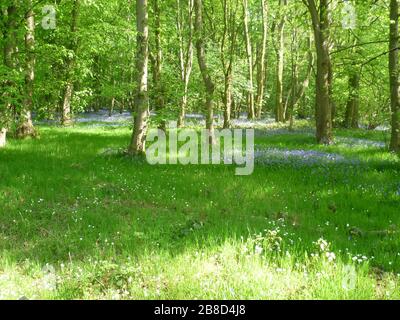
(311, 222)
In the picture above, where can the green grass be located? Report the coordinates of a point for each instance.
(111, 227)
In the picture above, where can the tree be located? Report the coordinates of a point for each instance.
(227, 55)
(156, 57)
(10, 37)
(70, 64)
(25, 125)
(141, 115)
(280, 55)
(320, 17)
(185, 54)
(394, 75)
(298, 89)
(261, 73)
(10, 49)
(201, 57)
(249, 55)
(353, 102)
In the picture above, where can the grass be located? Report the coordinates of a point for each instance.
(77, 223)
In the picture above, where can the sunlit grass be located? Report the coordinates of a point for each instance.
(76, 222)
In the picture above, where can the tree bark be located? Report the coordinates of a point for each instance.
(69, 87)
(394, 75)
(228, 44)
(353, 102)
(3, 135)
(157, 58)
(185, 56)
(303, 87)
(291, 99)
(280, 55)
(323, 107)
(249, 54)
(201, 57)
(261, 74)
(10, 45)
(10, 49)
(138, 141)
(25, 125)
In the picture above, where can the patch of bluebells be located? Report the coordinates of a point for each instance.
(299, 158)
(243, 122)
(284, 131)
(355, 142)
(101, 116)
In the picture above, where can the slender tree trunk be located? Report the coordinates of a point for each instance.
(394, 75)
(201, 57)
(10, 48)
(352, 107)
(111, 111)
(323, 108)
(303, 87)
(234, 108)
(227, 70)
(69, 87)
(185, 56)
(25, 125)
(131, 55)
(10, 44)
(228, 99)
(279, 104)
(228, 44)
(138, 141)
(157, 58)
(66, 108)
(291, 99)
(249, 53)
(122, 106)
(3, 135)
(332, 101)
(261, 74)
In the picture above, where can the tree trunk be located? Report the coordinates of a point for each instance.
(279, 105)
(249, 54)
(332, 102)
(138, 141)
(303, 87)
(292, 97)
(69, 87)
(10, 49)
(3, 135)
(131, 56)
(352, 107)
(66, 109)
(228, 45)
(157, 58)
(201, 57)
(10, 45)
(228, 99)
(261, 74)
(25, 125)
(111, 111)
(185, 56)
(323, 108)
(394, 75)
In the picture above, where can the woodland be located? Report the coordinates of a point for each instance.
(83, 215)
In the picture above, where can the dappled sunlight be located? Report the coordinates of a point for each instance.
(199, 149)
(194, 231)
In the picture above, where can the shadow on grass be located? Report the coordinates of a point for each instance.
(63, 198)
